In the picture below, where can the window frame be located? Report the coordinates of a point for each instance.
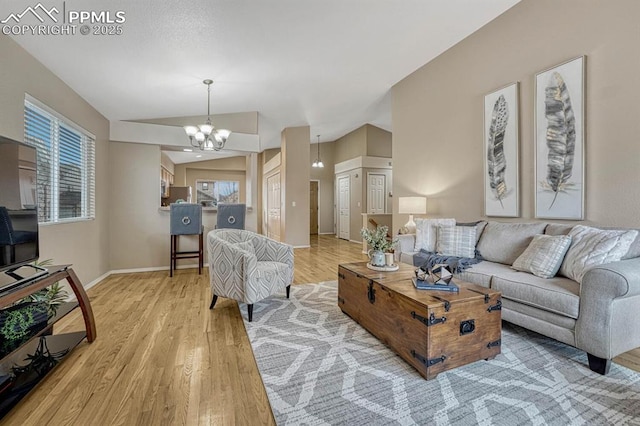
(87, 152)
(214, 189)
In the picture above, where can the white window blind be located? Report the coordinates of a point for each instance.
(66, 165)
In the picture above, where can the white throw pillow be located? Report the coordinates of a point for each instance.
(591, 247)
(426, 233)
(458, 241)
(544, 255)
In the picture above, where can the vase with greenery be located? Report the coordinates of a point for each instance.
(379, 242)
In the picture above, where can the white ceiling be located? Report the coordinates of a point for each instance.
(326, 63)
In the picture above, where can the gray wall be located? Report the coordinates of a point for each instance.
(438, 118)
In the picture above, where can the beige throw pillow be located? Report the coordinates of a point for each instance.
(426, 233)
(543, 256)
(591, 247)
(458, 241)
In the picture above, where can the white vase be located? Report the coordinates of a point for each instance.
(376, 257)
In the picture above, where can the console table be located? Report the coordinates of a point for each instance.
(19, 374)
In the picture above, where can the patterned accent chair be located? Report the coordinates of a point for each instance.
(247, 267)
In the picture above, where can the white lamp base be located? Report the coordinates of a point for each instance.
(411, 225)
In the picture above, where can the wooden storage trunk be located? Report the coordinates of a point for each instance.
(434, 331)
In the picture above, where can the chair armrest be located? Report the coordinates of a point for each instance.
(230, 267)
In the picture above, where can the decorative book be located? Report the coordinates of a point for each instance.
(426, 285)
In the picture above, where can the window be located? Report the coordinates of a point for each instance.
(211, 192)
(66, 164)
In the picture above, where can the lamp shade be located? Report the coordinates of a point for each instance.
(412, 205)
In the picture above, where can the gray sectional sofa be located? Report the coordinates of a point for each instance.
(601, 315)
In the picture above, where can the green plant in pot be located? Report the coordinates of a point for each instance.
(28, 316)
(379, 242)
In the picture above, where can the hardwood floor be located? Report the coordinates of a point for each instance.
(162, 357)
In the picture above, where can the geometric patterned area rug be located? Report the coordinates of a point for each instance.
(320, 367)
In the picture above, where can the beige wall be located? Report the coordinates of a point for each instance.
(351, 145)
(231, 163)
(84, 244)
(378, 142)
(437, 110)
(139, 229)
(325, 176)
(268, 154)
(295, 175)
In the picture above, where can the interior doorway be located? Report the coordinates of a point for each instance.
(274, 200)
(344, 200)
(377, 193)
(314, 207)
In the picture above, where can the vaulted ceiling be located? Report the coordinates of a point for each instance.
(329, 64)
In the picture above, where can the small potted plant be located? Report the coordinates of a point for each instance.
(379, 242)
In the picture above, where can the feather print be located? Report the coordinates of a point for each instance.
(496, 162)
(561, 134)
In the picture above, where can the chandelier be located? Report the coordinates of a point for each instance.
(318, 162)
(205, 136)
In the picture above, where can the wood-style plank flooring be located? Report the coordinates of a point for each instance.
(162, 357)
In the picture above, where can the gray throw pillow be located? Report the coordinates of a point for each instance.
(544, 255)
(458, 241)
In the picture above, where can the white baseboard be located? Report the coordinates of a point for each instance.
(307, 246)
(153, 269)
(354, 241)
(326, 233)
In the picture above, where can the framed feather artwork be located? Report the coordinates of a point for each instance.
(500, 155)
(559, 126)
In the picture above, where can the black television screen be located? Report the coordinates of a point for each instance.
(18, 204)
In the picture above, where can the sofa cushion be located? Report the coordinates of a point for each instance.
(482, 272)
(544, 255)
(562, 229)
(591, 247)
(504, 242)
(426, 233)
(558, 294)
(458, 241)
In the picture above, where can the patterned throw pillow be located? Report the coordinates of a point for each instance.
(426, 233)
(591, 247)
(458, 241)
(544, 255)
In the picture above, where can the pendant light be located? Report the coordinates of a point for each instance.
(318, 163)
(205, 136)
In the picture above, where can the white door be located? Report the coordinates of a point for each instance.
(343, 207)
(273, 206)
(376, 193)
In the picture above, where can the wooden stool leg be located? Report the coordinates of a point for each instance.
(173, 251)
(200, 254)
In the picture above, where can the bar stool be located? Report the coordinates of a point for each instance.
(186, 219)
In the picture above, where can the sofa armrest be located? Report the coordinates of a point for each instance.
(612, 280)
(609, 299)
